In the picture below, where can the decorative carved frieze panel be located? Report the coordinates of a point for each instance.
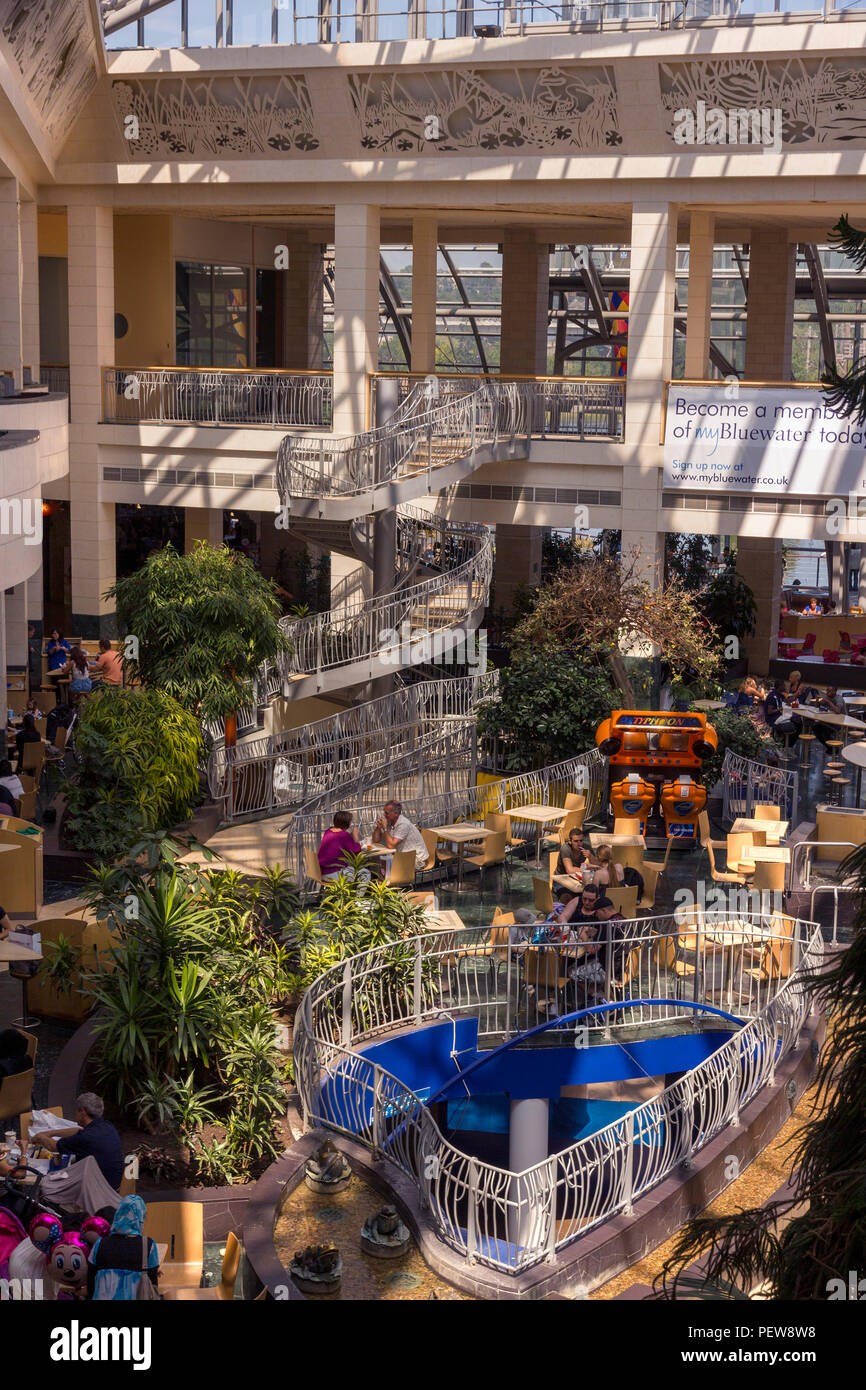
(822, 100)
(539, 110)
(174, 117)
(51, 44)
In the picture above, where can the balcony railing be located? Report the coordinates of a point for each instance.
(557, 407)
(216, 396)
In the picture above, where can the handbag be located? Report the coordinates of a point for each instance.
(147, 1290)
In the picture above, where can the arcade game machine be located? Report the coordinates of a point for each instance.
(654, 761)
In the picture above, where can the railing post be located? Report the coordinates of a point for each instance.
(346, 1033)
(552, 1166)
(378, 1126)
(418, 1001)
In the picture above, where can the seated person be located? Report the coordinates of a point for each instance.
(786, 726)
(107, 668)
(13, 1053)
(587, 971)
(747, 693)
(79, 671)
(28, 733)
(117, 1262)
(337, 842)
(59, 718)
(10, 781)
(803, 694)
(610, 873)
(582, 906)
(57, 650)
(394, 830)
(521, 932)
(95, 1138)
(572, 855)
(830, 702)
(6, 925)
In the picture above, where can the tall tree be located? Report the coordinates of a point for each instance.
(848, 393)
(204, 623)
(605, 607)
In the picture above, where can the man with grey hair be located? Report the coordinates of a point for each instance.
(95, 1137)
(395, 831)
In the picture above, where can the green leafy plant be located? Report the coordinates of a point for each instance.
(136, 770)
(188, 1004)
(60, 965)
(549, 705)
(204, 623)
(728, 604)
(737, 733)
(159, 1162)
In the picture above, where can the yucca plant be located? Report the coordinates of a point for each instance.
(847, 394)
(60, 964)
(828, 1165)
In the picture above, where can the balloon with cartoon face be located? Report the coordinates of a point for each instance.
(67, 1265)
(94, 1228)
(45, 1230)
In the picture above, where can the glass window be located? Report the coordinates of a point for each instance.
(162, 28)
(251, 22)
(127, 37)
(201, 23)
(211, 315)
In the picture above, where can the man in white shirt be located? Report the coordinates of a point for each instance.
(398, 833)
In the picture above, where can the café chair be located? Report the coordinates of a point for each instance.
(402, 874)
(312, 868)
(224, 1290)
(180, 1226)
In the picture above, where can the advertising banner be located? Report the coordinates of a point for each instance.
(762, 440)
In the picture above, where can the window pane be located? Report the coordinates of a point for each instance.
(127, 37)
(162, 28)
(251, 22)
(201, 23)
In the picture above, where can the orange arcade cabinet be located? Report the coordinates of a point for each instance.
(657, 747)
(633, 796)
(682, 800)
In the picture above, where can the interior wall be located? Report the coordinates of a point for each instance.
(52, 233)
(144, 289)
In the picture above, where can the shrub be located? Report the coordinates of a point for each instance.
(550, 704)
(737, 732)
(136, 769)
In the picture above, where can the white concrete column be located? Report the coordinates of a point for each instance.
(425, 251)
(650, 360)
(34, 600)
(759, 563)
(203, 524)
(525, 292)
(16, 625)
(91, 347)
(356, 312)
(302, 305)
(770, 312)
(11, 278)
(518, 561)
(701, 243)
(527, 1145)
(29, 287)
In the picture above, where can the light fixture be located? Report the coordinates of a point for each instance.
(487, 31)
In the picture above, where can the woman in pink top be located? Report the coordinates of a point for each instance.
(336, 843)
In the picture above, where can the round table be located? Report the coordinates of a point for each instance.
(856, 753)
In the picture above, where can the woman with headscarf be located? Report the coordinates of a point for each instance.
(121, 1259)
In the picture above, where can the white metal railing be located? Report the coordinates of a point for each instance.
(747, 784)
(344, 754)
(218, 396)
(420, 440)
(557, 407)
(389, 630)
(448, 798)
(512, 1221)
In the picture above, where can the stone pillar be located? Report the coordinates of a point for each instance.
(650, 360)
(356, 312)
(203, 524)
(425, 251)
(701, 242)
(34, 601)
(16, 625)
(518, 561)
(838, 553)
(11, 283)
(770, 313)
(525, 292)
(91, 347)
(302, 306)
(759, 563)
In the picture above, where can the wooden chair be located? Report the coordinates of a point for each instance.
(313, 868)
(180, 1226)
(767, 812)
(500, 820)
(630, 971)
(650, 873)
(707, 842)
(769, 878)
(502, 919)
(492, 854)
(626, 825)
(739, 857)
(544, 970)
(572, 820)
(435, 851)
(27, 805)
(225, 1289)
(775, 963)
(668, 958)
(33, 759)
(25, 1119)
(542, 896)
(402, 873)
(624, 899)
(16, 1093)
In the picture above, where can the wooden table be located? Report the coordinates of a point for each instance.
(823, 716)
(10, 950)
(768, 830)
(444, 919)
(708, 704)
(740, 936)
(542, 815)
(598, 838)
(770, 854)
(460, 834)
(574, 885)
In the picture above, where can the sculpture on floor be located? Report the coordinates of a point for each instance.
(384, 1234)
(317, 1269)
(327, 1170)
